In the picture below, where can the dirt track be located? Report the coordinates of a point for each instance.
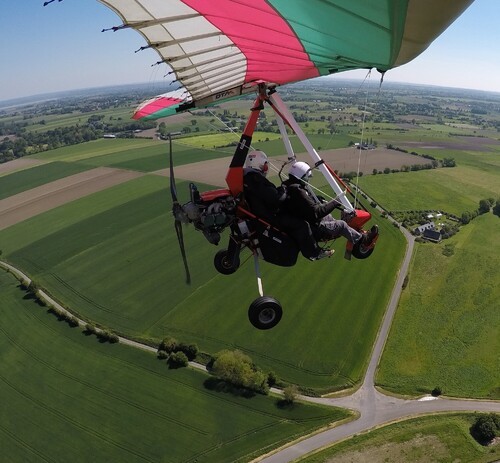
(41, 199)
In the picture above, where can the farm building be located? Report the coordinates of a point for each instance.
(422, 228)
(432, 235)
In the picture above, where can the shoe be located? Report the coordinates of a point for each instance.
(370, 236)
(324, 253)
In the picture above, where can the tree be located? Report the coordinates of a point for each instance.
(467, 217)
(437, 391)
(169, 344)
(496, 208)
(191, 350)
(290, 394)
(485, 428)
(178, 359)
(484, 206)
(237, 368)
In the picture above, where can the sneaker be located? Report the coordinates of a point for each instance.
(324, 253)
(370, 236)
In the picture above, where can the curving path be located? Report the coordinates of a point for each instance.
(373, 407)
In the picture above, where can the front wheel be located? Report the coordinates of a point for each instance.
(224, 264)
(265, 313)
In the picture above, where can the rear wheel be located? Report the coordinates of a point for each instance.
(224, 264)
(359, 251)
(265, 313)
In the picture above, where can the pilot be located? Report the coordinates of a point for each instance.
(265, 201)
(304, 205)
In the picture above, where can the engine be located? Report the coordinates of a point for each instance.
(210, 213)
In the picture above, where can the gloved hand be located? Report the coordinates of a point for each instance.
(282, 192)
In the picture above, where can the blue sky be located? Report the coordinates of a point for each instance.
(61, 47)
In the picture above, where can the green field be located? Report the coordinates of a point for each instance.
(445, 332)
(223, 139)
(432, 439)
(26, 179)
(453, 190)
(113, 258)
(133, 154)
(66, 394)
(97, 148)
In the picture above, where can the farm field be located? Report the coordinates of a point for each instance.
(130, 238)
(112, 258)
(35, 176)
(445, 333)
(126, 233)
(454, 190)
(423, 190)
(133, 154)
(76, 396)
(431, 439)
(34, 201)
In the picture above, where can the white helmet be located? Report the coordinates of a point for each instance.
(257, 160)
(300, 170)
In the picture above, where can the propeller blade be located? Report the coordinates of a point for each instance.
(173, 189)
(178, 212)
(180, 238)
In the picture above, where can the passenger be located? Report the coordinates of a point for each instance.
(304, 205)
(265, 201)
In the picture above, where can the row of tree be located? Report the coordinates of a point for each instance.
(23, 142)
(232, 367)
(485, 206)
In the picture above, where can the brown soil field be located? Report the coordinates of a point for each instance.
(18, 164)
(347, 159)
(41, 199)
(214, 171)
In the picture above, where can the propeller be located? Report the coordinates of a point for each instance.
(179, 214)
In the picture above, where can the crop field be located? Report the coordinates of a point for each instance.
(126, 233)
(93, 149)
(133, 154)
(27, 179)
(64, 393)
(113, 258)
(431, 439)
(445, 332)
(454, 190)
(222, 139)
(423, 190)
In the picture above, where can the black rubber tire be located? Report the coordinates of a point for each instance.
(361, 252)
(223, 264)
(265, 313)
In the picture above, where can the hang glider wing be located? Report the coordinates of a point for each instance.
(218, 48)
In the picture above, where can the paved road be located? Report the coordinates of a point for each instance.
(373, 407)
